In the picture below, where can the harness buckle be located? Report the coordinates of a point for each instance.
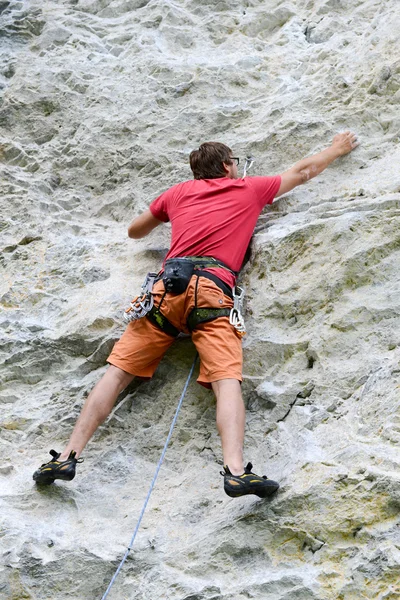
(143, 303)
(235, 317)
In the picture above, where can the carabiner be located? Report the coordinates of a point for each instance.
(235, 317)
(143, 303)
(248, 164)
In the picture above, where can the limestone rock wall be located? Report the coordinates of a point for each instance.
(102, 101)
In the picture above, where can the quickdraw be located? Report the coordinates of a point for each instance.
(248, 164)
(143, 303)
(235, 317)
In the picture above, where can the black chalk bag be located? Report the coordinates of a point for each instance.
(177, 274)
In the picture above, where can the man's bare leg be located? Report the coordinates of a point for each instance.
(96, 409)
(231, 419)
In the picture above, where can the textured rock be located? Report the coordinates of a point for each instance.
(102, 100)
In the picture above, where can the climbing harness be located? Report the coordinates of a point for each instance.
(176, 277)
(143, 303)
(248, 164)
(235, 317)
(153, 481)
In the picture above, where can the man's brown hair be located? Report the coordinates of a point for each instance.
(206, 162)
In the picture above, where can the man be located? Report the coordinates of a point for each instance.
(213, 217)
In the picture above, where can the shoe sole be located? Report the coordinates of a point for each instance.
(261, 493)
(46, 479)
(43, 481)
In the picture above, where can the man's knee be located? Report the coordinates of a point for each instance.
(121, 378)
(222, 386)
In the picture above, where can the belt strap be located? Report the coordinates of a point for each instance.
(207, 262)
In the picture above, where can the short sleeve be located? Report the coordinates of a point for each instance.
(265, 188)
(159, 207)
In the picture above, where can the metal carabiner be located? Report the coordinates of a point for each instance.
(235, 317)
(248, 164)
(143, 303)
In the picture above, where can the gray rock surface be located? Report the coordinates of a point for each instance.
(102, 100)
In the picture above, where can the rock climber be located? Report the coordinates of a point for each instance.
(212, 217)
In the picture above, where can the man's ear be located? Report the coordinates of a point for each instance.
(226, 167)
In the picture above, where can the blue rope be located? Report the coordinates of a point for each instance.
(153, 482)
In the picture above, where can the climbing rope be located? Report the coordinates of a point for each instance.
(153, 482)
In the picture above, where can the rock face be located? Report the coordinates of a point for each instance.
(102, 101)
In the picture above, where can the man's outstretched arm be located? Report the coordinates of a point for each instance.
(142, 225)
(306, 169)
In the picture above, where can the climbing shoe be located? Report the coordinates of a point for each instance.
(248, 483)
(55, 469)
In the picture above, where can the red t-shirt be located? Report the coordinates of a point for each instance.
(215, 217)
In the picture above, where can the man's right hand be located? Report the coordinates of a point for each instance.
(345, 142)
(310, 167)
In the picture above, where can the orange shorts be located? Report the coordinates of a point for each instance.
(143, 344)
